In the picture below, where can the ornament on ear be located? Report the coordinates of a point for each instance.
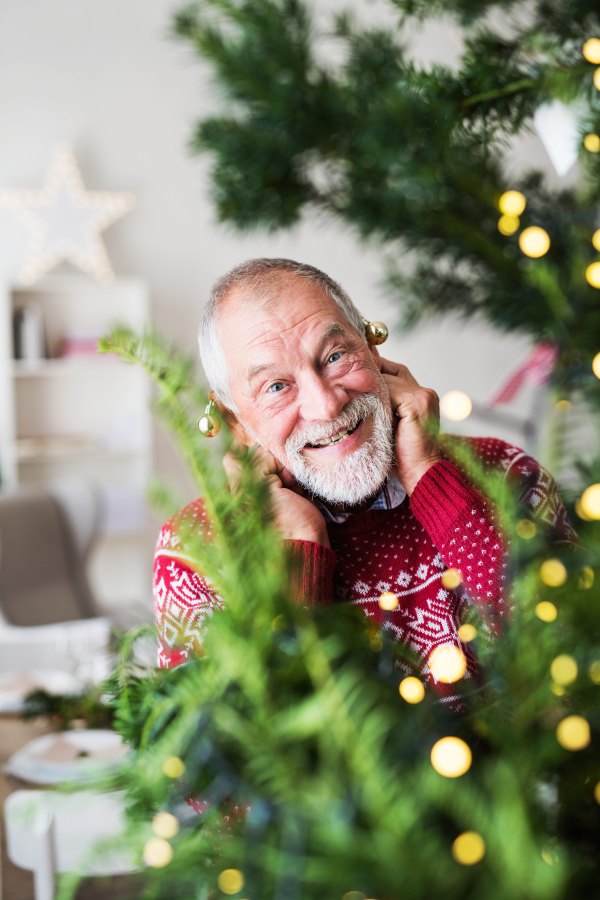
(375, 332)
(209, 425)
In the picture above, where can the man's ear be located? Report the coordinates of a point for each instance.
(376, 355)
(233, 423)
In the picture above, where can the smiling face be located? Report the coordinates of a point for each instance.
(308, 389)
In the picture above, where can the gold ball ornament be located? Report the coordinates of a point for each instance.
(534, 242)
(375, 332)
(591, 50)
(209, 424)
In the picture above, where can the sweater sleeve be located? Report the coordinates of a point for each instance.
(457, 518)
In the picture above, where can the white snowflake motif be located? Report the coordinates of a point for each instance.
(404, 579)
(422, 571)
(361, 588)
(382, 587)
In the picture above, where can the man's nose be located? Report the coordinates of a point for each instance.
(320, 400)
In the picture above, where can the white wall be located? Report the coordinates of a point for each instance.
(104, 77)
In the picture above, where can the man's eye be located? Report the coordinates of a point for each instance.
(334, 357)
(278, 386)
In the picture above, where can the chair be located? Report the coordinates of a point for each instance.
(49, 833)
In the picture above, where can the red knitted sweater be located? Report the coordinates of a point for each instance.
(446, 524)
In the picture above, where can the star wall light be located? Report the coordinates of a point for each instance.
(65, 220)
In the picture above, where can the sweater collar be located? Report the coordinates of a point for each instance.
(390, 496)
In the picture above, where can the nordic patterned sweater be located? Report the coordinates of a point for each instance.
(447, 523)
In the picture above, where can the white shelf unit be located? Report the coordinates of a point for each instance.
(82, 417)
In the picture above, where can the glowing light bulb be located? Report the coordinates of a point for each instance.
(468, 848)
(590, 502)
(456, 406)
(411, 690)
(591, 50)
(573, 733)
(553, 573)
(165, 825)
(596, 239)
(594, 671)
(447, 663)
(534, 241)
(507, 225)
(451, 579)
(157, 853)
(388, 601)
(467, 632)
(512, 203)
(585, 579)
(526, 529)
(591, 142)
(173, 767)
(546, 611)
(230, 881)
(597, 79)
(563, 669)
(451, 757)
(592, 274)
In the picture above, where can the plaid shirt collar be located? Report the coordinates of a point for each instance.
(390, 496)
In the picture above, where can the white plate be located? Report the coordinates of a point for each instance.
(14, 686)
(54, 758)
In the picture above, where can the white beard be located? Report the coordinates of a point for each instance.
(357, 476)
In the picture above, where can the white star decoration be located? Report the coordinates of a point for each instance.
(65, 220)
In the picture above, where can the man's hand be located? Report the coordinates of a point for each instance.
(296, 517)
(418, 409)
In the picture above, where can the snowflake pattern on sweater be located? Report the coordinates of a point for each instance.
(447, 523)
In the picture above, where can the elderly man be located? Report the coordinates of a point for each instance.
(360, 485)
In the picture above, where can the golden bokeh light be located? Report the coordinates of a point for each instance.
(546, 611)
(573, 733)
(354, 895)
(451, 579)
(467, 632)
(591, 50)
(411, 690)
(550, 855)
(534, 241)
(173, 767)
(157, 853)
(165, 825)
(512, 203)
(278, 623)
(468, 848)
(597, 79)
(230, 881)
(507, 225)
(597, 793)
(590, 502)
(596, 365)
(553, 572)
(526, 529)
(563, 669)
(585, 579)
(456, 406)
(451, 757)
(388, 601)
(596, 239)
(557, 689)
(591, 142)
(592, 274)
(594, 671)
(563, 406)
(581, 512)
(447, 663)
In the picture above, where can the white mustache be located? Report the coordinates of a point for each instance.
(356, 409)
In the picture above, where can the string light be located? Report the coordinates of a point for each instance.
(563, 669)
(507, 225)
(596, 365)
(594, 671)
(597, 79)
(456, 406)
(157, 853)
(546, 611)
(526, 529)
(591, 50)
(468, 848)
(592, 274)
(596, 239)
(451, 579)
(165, 825)
(590, 502)
(512, 203)
(591, 142)
(411, 690)
(447, 663)
(467, 633)
(388, 601)
(65, 221)
(173, 767)
(553, 573)
(451, 757)
(597, 793)
(230, 881)
(585, 579)
(573, 733)
(534, 241)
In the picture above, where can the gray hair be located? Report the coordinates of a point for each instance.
(259, 278)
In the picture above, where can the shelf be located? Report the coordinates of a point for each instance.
(45, 368)
(38, 449)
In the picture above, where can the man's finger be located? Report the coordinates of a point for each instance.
(398, 371)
